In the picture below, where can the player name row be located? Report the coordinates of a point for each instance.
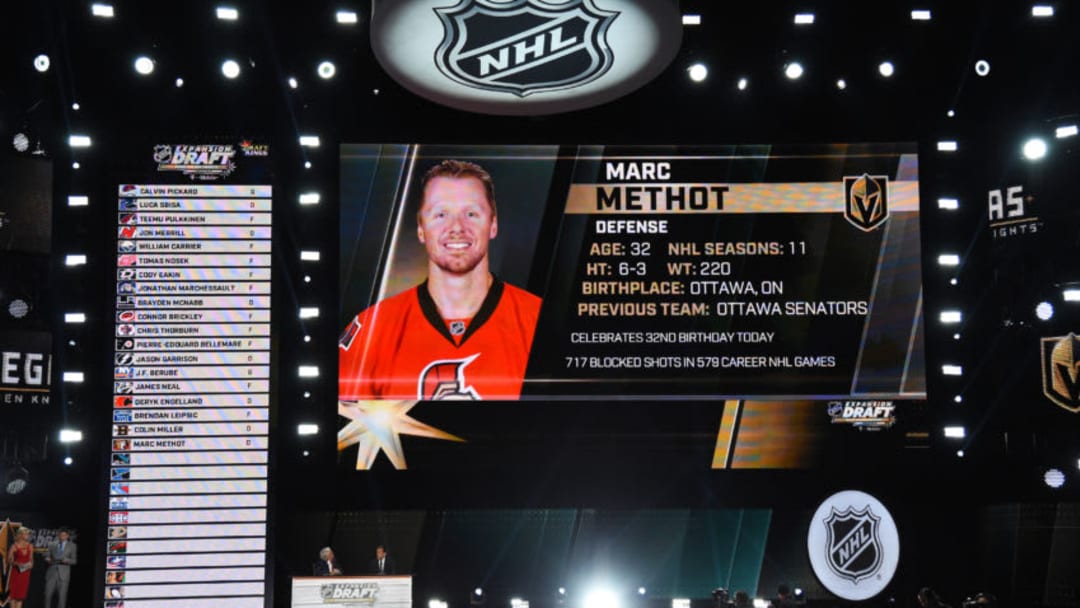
(210, 486)
(195, 204)
(221, 288)
(144, 218)
(241, 315)
(163, 459)
(193, 358)
(204, 245)
(164, 401)
(194, 232)
(132, 302)
(193, 444)
(222, 344)
(798, 308)
(168, 190)
(222, 372)
(207, 330)
(210, 259)
(194, 429)
(197, 595)
(258, 414)
(163, 531)
(188, 473)
(129, 387)
(237, 273)
(193, 517)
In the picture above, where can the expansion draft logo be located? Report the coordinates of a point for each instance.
(863, 415)
(204, 162)
(866, 201)
(362, 592)
(524, 46)
(1061, 370)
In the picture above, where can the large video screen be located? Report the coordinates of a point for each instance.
(738, 274)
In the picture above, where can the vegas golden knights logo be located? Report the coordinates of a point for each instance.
(1061, 371)
(866, 201)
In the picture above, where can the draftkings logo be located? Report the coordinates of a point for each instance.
(863, 415)
(866, 201)
(341, 592)
(444, 380)
(205, 162)
(1009, 213)
(253, 149)
(1061, 371)
(524, 46)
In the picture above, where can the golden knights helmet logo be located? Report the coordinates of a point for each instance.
(1061, 371)
(866, 201)
(524, 46)
(854, 549)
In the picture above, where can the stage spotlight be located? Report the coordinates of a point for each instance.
(309, 312)
(307, 394)
(804, 18)
(101, 10)
(950, 113)
(955, 432)
(18, 308)
(68, 460)
(1054, 478)
(1071, 295)
(761, 603)
(886, 69)
(75, 106)
(307, 278)
(950, 316)
(306, 453)
(227, 13)
(76, 200)
(959, 453)
(293, 83)
(982, 67)
(798, 590)
(698, 72)
(75, 259)
(326, 70)
(307, 164)
(1066, 131)
(601, 598)
(308, 371)
(947, 146)
(641, 590)
(179, 82)
(70, 435)
(517, 602)
(16, 480)
(958, 399)
(948, 259)
(310, 256)
(956, 336)
(1034, 148)
(920, 15)
(74, 377)
(230, 69)
(1042, 10)
(1045, 311)
(841, 84)
(437, 603)
(950, 204)
(20, 142)
(42, 63)
(74, 317)
(79, 141)
(309, 141)
(680, 602)
(346, 17)
(562, 590)
(310, 198)
(144, 65)
(952, 281)
(75, 165)
(307, 429)
(793, 70)
(742, 84)
(478, 592)
(952, 370)
(691, 19)
(307, 338)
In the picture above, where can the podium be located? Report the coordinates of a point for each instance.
(352, 591)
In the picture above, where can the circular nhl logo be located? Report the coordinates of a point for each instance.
(853, 545)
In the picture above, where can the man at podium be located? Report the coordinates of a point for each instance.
(383, 564)
(327, 565)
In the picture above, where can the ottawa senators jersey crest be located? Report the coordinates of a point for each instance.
(445, 381)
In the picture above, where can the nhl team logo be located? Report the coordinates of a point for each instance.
(866, 201)
(854, 546)
(523, 47)
(444, 380)
(1061, 370)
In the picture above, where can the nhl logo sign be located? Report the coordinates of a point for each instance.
(524, 46)
(853, 545)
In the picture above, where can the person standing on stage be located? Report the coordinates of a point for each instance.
(20, 558)
(61, 556)
(327, 565)
(383, 564)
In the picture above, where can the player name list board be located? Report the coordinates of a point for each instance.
(188, 476)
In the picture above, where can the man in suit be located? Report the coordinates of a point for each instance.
(327, 565)
(61, 555)
(383, 564)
